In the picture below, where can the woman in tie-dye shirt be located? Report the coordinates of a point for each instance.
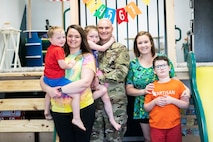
(82, 74)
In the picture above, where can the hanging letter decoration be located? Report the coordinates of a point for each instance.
(110, 14)
(133, 10)
(100, 10)
(121, 15)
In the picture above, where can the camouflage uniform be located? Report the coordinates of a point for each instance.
(114, 64)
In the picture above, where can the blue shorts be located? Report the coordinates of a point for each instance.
(56, 82)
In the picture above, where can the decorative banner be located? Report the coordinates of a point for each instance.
(85, 1)
(121, 15)
(101, 10)
(146, 2)
(59, 0)
(110, 14)
(133, 10)
(93, 5)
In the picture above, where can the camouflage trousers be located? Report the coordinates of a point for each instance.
(102, 128)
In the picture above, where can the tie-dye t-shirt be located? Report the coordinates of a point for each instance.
(139, 77)
(63, 104)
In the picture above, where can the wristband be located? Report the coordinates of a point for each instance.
(59, 90)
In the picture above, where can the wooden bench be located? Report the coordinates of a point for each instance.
(14, 82)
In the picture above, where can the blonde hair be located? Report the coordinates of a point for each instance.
(90, 27)
(53, 29)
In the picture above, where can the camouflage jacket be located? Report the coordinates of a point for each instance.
(114, 63)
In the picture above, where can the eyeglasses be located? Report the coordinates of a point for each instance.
(163, 66)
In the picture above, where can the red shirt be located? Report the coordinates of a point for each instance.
(52, 68)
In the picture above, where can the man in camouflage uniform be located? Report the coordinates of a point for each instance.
(114, 63)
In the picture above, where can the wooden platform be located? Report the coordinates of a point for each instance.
(26, 80)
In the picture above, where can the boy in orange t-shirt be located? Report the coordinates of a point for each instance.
(164, 104)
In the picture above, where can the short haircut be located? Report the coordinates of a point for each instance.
(52, 29)
(159, 58)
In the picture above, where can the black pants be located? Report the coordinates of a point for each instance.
(68, 132)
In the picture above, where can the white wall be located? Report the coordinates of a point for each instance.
(10, 11)
(45, 9)
(182, 20)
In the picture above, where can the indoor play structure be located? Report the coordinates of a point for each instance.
(201, 86)
(200, 75)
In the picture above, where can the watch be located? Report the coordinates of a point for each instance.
(59, 90)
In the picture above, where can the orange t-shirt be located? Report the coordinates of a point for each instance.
(168, 116)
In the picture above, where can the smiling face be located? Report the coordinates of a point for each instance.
(93, 36)
(144, 44)
(161, 67)
(105, 30)
(58, 38)
(74, 39)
